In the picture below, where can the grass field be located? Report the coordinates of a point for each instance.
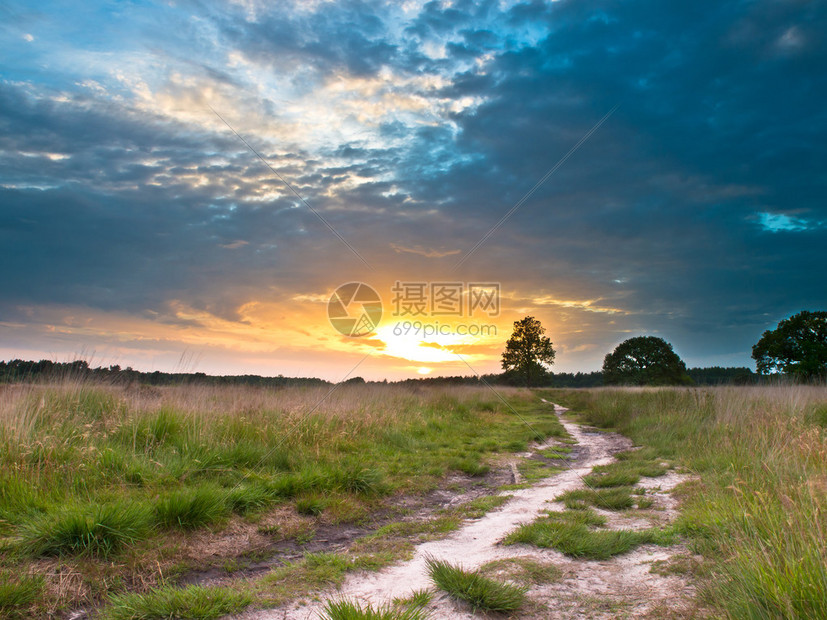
(105, 490)
(110, 495)
(757, 510)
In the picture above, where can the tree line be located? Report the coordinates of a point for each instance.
(15, 371)
(796, 349)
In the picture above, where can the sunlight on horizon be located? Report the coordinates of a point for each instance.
(415, 347)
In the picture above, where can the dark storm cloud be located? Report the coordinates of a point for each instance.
(721, 119)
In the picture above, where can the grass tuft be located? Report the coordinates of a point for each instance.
(417, 598)
(89, 530)
(251, 497)
(192, 508)
(364, 480)
(311, 506)
(480, 592)
(522, 570)
(471, 465)
(185, 603)
(353, 610)
(616, 498)
(569, 533)
(17, 594)
(478, 507)
(617, 478)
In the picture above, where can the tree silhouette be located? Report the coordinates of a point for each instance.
(644, 360)
(527, 352)
(798, 346)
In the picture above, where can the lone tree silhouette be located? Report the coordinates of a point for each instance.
(798, 346)
(528, 352)
(644, 360)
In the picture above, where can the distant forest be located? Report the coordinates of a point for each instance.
(44, 370)
(20, 370)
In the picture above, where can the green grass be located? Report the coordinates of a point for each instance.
(522, 570)
(353, 610)
(85, 530)
(616, 498)
(557, 452)
(532, 470)
(625, 472)
(585, 516)
(328, 567)
(312, 506)
(189, 509)
(479, 591)
(251, 497)
(757, 509)
(423, 530)
(417, 598)
(470, 465)
(191, 602)
(644, 502)
(395, 541)
(478, 507)
(400, 535)
(314, 572)
(18, 593)
(605, 479)
(570, 533)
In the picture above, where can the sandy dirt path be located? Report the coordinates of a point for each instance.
(588, 589)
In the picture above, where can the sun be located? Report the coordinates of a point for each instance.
(424, 370)
(416, 348)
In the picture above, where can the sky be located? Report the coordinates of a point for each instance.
(185, 184)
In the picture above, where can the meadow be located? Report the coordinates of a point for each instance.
(109, 492)
(112, 497)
